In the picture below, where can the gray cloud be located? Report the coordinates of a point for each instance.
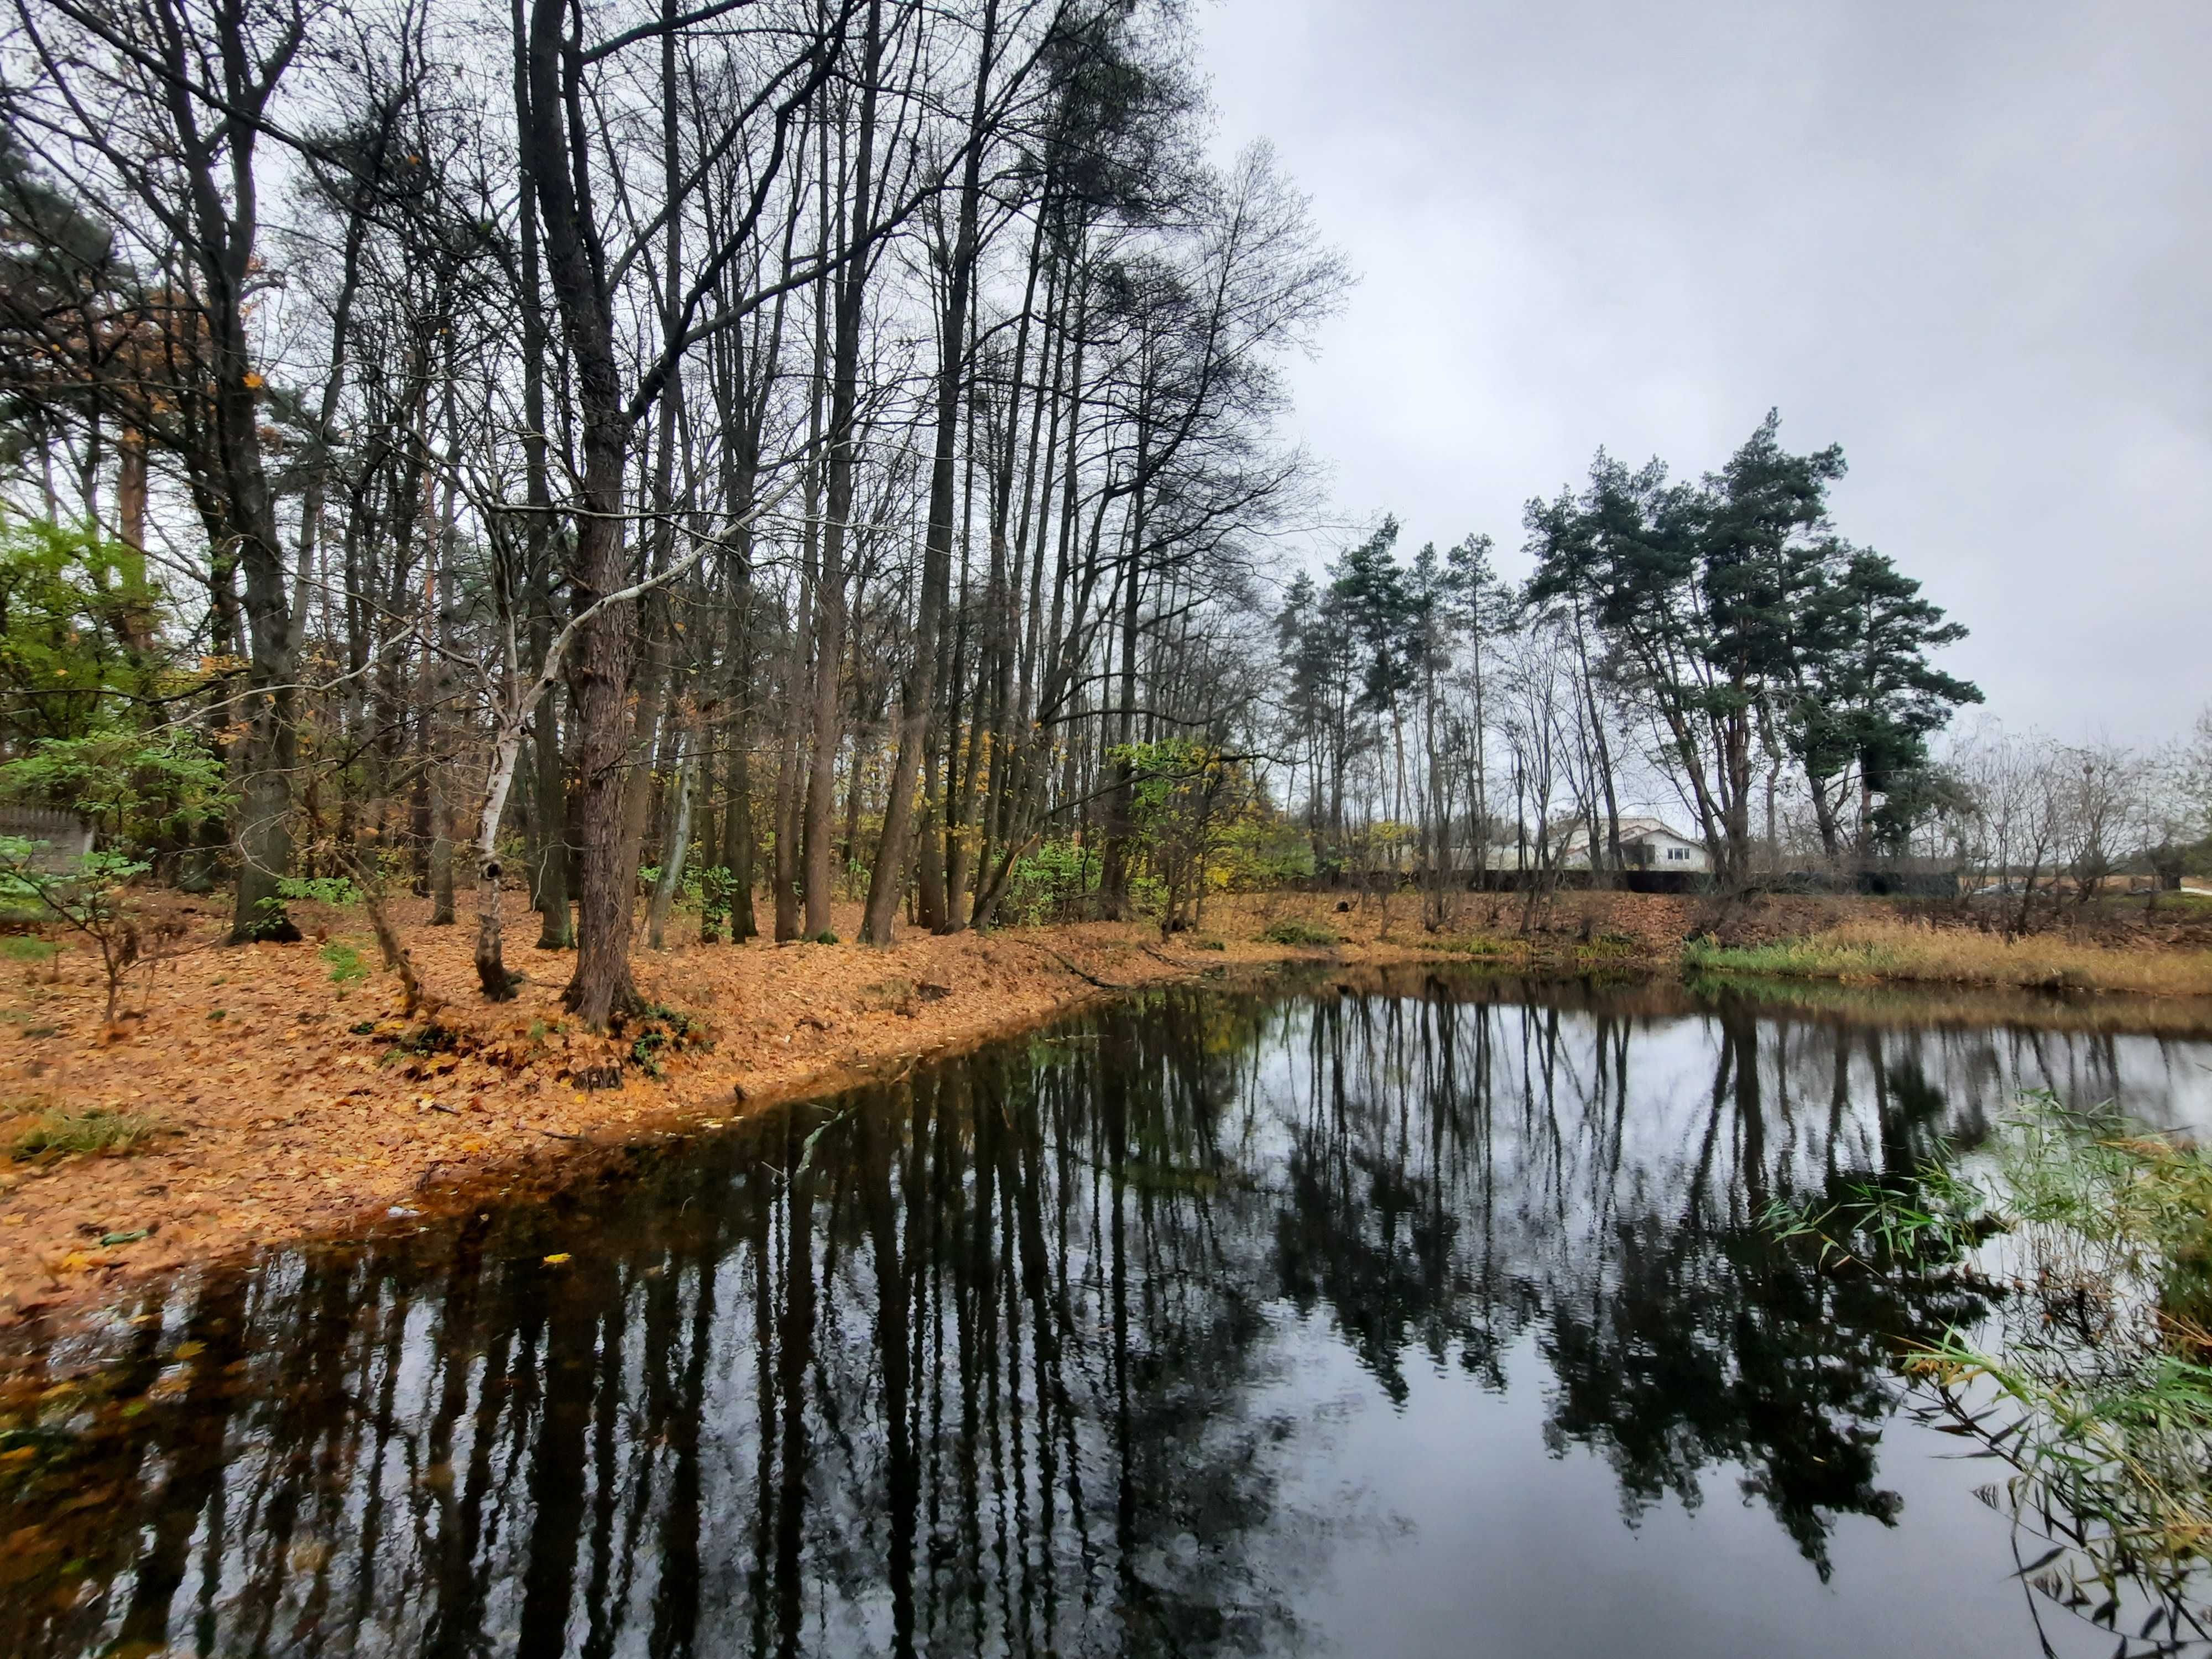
(1968, 242)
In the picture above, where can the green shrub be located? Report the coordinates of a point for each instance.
(1049, 884)
(346, 964)
(138, 791)
(319, 889)
(1262, 854)
(1295, 930)
(690, 887)
(1487, 947)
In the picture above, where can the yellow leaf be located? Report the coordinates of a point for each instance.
(557, 1258)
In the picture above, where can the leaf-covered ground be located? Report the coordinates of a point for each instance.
(280, 1095)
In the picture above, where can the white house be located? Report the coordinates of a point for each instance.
(1645, 844)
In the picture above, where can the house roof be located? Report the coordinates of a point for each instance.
(1631, 830)
(1637, 828)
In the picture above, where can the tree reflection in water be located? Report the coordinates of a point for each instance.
(990, 1359)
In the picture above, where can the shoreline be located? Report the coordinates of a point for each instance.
(288, 1104)
(361, 1123)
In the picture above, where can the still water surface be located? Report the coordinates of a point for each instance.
(1427, 1317)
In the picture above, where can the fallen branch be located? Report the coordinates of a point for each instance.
(1087, 978)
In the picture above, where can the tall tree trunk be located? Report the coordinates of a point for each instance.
(676, 842)
(217, 221)
(603, 986)
(558, 930)
(918, 691)
(271, 751)
(437, 643)
(851, 287)
(737, 840)
(1114, 869)
(788, 780)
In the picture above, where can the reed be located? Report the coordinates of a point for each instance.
(2093, 1384)
(1878, 948)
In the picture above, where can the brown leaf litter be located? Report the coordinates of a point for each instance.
(288, 1100)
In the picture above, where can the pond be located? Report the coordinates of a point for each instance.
(1419, 1316)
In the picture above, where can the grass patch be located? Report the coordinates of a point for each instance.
(2093, 1382)
(346, 965)
(1906, 1003)
(1489, 947)
(27, 947)
(1879, 949)
(1295, 930)
(58, 1132)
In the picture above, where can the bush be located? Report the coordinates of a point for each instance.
(89, 895)
(346, 964)
(1263, 854)
(1050, 883)
(317, 889)
(1186, 801)
(1295, 930)
(138, 791)
(690, 887)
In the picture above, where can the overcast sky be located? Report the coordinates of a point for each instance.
(1969, 242)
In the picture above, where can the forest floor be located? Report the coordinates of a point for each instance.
(266, 1094)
